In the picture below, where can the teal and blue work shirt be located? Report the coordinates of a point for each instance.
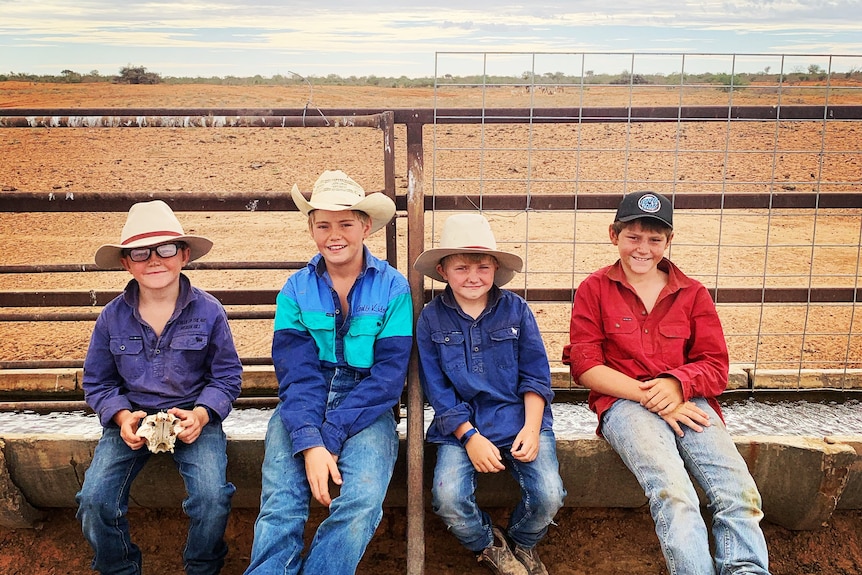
(313, 334)
(478, 370)
(193, 362)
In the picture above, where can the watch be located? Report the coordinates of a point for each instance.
(467, 435)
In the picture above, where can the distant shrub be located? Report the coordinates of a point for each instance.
(728, 81)
(626, 78)
(137, 75)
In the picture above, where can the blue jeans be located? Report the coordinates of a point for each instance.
(104, 500)
(662, 462)
(366, 464)
(454, 498)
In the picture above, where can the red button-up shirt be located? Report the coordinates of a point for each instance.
(681, 337)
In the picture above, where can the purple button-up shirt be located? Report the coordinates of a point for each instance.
(194, 361)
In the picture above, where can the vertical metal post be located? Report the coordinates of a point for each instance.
(415, 407)
(387, 126)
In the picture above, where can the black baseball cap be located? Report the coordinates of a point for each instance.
(645, 205)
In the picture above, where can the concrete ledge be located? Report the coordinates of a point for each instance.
(63, 380)
(806, 379)
(802, 480)
(15, 511)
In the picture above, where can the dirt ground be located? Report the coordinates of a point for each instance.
(169, 161)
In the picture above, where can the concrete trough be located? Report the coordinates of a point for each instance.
(802, 480)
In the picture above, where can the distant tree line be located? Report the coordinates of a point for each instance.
(139, 75)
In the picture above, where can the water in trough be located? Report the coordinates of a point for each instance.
(572, 420)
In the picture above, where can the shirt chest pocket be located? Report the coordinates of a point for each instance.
(190, 342)
(126, 345)
(362, 335)
(451, 347)
(622, 335)
(188, 351)
(674, 340)
(129, 356)
(504, 346)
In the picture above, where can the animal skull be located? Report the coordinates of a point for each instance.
(160, 430)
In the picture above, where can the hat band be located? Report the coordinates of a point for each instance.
(149, 235)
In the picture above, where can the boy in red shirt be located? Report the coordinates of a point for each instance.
(647, 342)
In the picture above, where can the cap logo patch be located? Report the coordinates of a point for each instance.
(649, 204)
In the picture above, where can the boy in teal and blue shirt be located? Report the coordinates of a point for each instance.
(342, 341)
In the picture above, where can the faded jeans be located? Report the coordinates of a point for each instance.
(662, 461)
(104, 500)
(366, 464)
(454, 499)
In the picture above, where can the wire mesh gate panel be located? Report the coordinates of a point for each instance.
(761, 154)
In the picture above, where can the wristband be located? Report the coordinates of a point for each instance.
(467, 435)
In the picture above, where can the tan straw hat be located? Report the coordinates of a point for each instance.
(463, 234)
(150, 224)
(335, 191)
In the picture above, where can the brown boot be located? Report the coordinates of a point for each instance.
(529, 558)
(498, 556)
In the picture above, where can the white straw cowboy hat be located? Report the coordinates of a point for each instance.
(150, 224)
(335, 191)
(468, 233)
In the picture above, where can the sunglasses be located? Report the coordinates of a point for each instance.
(143, 254)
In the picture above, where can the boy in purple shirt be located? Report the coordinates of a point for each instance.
(162, 346)
(647, 342)
(484, 369)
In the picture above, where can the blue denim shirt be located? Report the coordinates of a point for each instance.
(313, 336)
(480, 369)
(194, 362)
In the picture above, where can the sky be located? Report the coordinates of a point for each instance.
(203, 38)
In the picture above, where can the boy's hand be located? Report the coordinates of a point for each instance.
(662, 395)
(484, 455)
(689, 415)
(129, 422)
(192, 422)
(320, 465)
(526, 445)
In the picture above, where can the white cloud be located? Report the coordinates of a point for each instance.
(383, 37)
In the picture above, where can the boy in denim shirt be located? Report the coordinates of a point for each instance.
(647, 342)
(342, 342)
(484, 369)
(161, 346)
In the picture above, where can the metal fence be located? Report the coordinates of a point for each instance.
(764, 167)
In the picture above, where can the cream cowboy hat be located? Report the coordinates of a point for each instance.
(150, 224)
(468, 233)
(335, 191)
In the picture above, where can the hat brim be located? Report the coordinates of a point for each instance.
(379, 207)
(509, 264)
(633, 217)
(108, 256)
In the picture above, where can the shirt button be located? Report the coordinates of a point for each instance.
(646, 331)
(122, 348)
(475, 349)
(643, 312)
(158, 351)
(338, 311)
(617, 325)
(445, 339)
